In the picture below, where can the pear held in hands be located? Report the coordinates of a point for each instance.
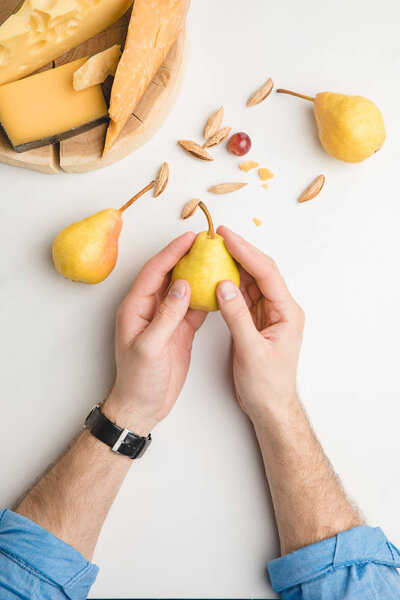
(87, 251)
(351, 128)
(207, 263)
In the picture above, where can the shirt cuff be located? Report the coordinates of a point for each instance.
(44, 555)
(359, 545)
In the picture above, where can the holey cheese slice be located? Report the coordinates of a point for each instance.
(42, 30)
(45, 108)
(154, 27)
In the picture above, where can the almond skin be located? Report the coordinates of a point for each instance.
(190, 208)
(226, 188)
(313, 189)
(214, 123)
(194, 149)
(262, 93)
(162, 180)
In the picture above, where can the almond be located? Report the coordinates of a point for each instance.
(262, 93)
(195, 149)
(226, 188)
(161, 180)
(190, 208)
(313, 189)
(218, 138)
(214, 123)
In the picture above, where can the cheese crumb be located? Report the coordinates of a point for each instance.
(265, 174)
(257, 222)
(265, 185)
(248, 164)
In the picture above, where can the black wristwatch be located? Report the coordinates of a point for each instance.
(121, 441)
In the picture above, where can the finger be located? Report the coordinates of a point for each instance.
(152, 275)
(236, 314)
(168, 317)
(195, 318)
(139, 304)
(259, 265)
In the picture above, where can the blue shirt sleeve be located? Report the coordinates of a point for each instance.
(36, 564)
(354, 565)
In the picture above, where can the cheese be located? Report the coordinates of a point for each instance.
(97, 68)
(45, 108)
(43, 30)
(153, 29)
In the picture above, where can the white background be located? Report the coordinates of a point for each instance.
(194, 518)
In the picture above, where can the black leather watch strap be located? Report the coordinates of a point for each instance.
(121, 441)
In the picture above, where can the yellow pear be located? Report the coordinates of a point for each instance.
(351, 128)
(87, 251)
(207, 263)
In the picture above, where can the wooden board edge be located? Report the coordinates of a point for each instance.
(34, 160)
(142, 133)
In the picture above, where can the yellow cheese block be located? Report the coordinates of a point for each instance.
(153, 30)
(45, 108)
(42, 30)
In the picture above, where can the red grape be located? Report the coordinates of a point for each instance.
(239, 143)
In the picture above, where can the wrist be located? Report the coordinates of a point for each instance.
(124, 415)
(277, 409)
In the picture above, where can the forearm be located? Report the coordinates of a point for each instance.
(309, 502)
(72, 500)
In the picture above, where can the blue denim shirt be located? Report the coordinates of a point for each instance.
(358, 564)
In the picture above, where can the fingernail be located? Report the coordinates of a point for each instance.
(178, 289)
(227, 290)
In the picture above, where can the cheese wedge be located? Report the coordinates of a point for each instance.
(43, 30)
(97, 68)
(45, 108)
(153, 29)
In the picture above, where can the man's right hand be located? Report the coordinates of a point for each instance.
(266, 326)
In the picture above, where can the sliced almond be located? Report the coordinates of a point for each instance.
(262, 93)
(218, 138)
(190, 208)
(248, 165)
(313, 189)
(257, 222)
(226, 188)
(195, 149)
(214, 123)
(161, 180)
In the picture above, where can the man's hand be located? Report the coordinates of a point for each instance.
(266, 326)
(154, 335)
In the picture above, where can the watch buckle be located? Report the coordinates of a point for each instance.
(120, 441)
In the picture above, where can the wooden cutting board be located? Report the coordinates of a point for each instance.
(82, 153)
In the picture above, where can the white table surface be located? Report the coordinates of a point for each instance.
(194, 517)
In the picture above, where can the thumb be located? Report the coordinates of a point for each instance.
(236, 314)
(169, 314)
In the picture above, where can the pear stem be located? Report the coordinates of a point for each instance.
(282, 91)
(136, 196)
(204, 208)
